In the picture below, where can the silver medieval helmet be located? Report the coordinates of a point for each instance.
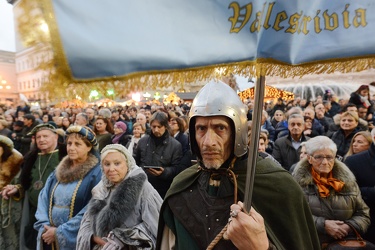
(218, 99)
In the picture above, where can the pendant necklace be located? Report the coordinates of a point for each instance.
(38, 185)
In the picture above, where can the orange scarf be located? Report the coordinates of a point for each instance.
(324, 183)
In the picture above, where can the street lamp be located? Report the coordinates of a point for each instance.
(4, 85)
(6, 91)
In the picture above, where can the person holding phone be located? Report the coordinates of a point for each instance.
(160, 151)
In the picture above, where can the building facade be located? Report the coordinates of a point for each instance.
(8, 78)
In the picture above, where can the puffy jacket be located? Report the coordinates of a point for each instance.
(346, 205)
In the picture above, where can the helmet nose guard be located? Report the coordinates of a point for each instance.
(218, 99)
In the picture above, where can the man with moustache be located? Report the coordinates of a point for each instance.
(159, 154)
(37, 166)
(203, 197)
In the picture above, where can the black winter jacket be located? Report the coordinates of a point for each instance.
(167, 155)
(343, 142)
(363, 167)
(284, 151)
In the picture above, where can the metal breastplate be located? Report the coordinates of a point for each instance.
(202, 215)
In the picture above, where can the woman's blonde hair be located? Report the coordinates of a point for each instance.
(365, 134)
(350, 113)
(137, 124)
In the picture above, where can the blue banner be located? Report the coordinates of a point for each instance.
(99, 39)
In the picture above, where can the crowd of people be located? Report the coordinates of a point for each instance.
(170, 176)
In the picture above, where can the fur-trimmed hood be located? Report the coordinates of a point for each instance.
(66, 174)
(10, 168)
(302, 174)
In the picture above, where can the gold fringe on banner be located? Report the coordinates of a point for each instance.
(61, 84)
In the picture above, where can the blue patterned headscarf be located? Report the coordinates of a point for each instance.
(85, 132)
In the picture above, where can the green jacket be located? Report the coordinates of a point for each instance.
(289, 226)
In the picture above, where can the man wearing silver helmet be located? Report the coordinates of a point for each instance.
(202, 198)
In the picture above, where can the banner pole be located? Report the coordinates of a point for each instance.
(254, 141)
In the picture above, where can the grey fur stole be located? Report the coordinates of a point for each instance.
(111, 213)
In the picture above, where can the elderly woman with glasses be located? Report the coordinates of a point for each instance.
(331, 191)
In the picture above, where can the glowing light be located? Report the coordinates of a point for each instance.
(146, 95)
(157, 96)
(44, 26)
(269, 93)
(136, 97)
(94, 94)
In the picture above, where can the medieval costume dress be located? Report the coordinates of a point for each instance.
(129, 210)
(11, 209)
(63, 200)
(35, 171)
(192, 187)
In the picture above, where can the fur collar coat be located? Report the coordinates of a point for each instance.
(66, 174)
(10, 168)
(346, 205)
(129, 210)
(302, 174)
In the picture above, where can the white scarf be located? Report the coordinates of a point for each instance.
(133, 141)
(364, 100)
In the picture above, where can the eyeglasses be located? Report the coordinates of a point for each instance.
(320, 158)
